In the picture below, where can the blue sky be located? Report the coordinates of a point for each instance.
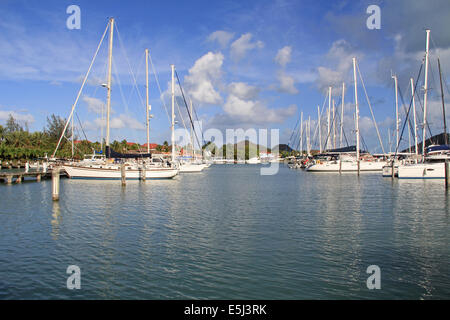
(245, 64)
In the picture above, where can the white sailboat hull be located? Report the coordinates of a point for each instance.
(191, 167)
(253, 161)
(347, 166)
(422, 171)
(114, 173)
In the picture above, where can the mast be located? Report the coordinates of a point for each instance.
(443, 104)
(101, 127)
(192, 137)
(396, 109)
(414, 114)
(425, 94)
(308, 147)
(356, 113)
(320, 129)
(147, 106)
(173, 113)
(389, 140)
(108, 97)
(342, 115)
(72, 138)
(301, 133)
(328, 119)
(334, 127)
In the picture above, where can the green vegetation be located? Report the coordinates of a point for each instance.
(17, 143)
(242, 150)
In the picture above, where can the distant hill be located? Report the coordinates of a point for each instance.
(242, 150)
(281, 148)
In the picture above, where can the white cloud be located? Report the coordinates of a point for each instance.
(243, 107)
(94, 105)
(120, 122)
(241, 46)
(240, 112)
(283, 56)
(222, 37)
(287, 83)
(4, 115)
(242, 90)
(202, 77)
(339, 60)
(125, 121)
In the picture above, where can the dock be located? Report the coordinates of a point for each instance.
(18, 177)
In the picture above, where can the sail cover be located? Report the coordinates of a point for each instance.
(110, 153)
(341, 150)
(444, 147)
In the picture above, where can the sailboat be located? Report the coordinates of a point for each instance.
(136, 166)
(347, 159)
(434, 156)
(190, 165)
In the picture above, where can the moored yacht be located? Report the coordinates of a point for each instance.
(432, 168)
(345, 163)
(113, 165)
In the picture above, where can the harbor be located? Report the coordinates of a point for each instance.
(239, 151)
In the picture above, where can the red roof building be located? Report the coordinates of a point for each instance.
(152, 146)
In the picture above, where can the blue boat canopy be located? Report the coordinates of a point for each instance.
(443, 147)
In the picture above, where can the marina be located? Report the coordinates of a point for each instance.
(248, 151)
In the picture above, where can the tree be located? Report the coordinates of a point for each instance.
(12, 125)
(55, 127)
(165, 146)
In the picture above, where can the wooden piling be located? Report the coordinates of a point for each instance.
(38, 178)
(393, 168)
(143, 173)
(340, 165)
(358, 167)
(447, 175)
(123, 174)
(55, 183)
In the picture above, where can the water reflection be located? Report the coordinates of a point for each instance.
(56, 220)
(230, 233)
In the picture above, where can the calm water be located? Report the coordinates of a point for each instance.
(227, 233)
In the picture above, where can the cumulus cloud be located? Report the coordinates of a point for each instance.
(23, 117)
(242, 106)
(241, 46)
(245, 113)
(94, 105)
(283, 56)
(202, 77)
(222, 37)
(287, 83)
(125, 121)
(120, 122)
(339, 64)
(242, 90)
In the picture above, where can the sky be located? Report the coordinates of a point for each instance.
(244, 64)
